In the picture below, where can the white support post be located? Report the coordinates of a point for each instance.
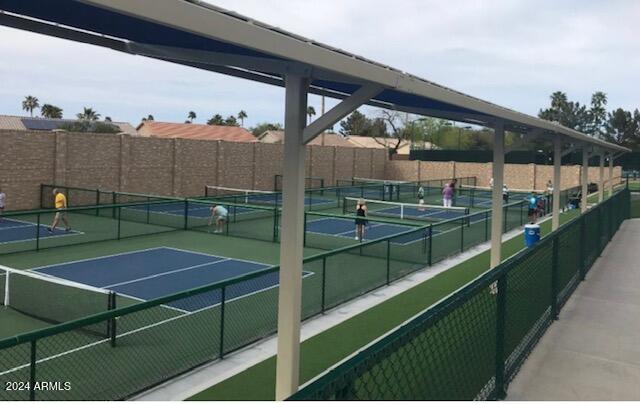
(496, 194)
(557, 166)
(585, 178)
(611, 155)
(291, 248)
(601, 178)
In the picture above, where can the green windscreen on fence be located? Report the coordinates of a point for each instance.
(471, 345)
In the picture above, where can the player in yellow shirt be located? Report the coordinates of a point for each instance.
(61, 214)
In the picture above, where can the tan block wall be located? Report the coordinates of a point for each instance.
(362, 162)
(321, 162)
(183, 167)
(151, 166)
(27, 162)
(402, 170)
(343, 163)
(434, 170)
(482, 171)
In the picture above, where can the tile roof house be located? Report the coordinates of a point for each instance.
(334, 139)
(330, 139)
(194, 131)
(25, 123)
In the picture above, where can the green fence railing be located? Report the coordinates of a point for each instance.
(471, 344)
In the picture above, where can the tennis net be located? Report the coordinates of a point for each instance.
(429, 213)
(54, 300)
(239, 195)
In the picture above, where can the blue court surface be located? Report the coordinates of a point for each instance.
(14, 231)
(426, 212)
(373, 231)
(157, 272)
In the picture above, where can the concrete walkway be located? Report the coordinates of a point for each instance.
(593, 351)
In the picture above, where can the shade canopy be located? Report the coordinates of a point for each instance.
(200, 35)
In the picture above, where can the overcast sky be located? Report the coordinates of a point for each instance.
(513, 53)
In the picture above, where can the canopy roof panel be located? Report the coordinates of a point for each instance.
(200, 35)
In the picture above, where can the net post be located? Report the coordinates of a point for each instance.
(148, 210)
(41, 196)
(32, 372)
(186, 214)
(111, 323)
(113, 202)
(223, 297)
(554, 278)
(462, 235)
(501, 306)
(119, 222)
(324, 284)
(97, 201)
(38, 232)
(322, 186)
(276, 212)
(304, 230)
(430, 259)
(388, 261)
(486, 225)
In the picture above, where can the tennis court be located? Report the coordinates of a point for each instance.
(345, 228)
(14, 230)
(156, 272)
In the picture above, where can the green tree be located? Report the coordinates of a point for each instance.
(30, 103)
(148, 118)
(242, 115)
(265, 126)
(108, 119)
(356, 124)
(51, 111)
(310, 112)
(88, 114)
(568, 113)
(597, 115)
(217, 119)
(231, 121)
(86, 126)
(191, 116)
(623, 128)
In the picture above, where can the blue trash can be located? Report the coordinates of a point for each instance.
(531, 234)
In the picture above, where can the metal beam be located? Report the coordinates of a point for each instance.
(557, 167)
(610, 174)
(344, 108)
(291, 248)
(496, 196)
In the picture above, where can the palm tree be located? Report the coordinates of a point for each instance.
(148, 118)
(191, 116)
(311, 112)
(241, 116)
(107, 119)
(51, 111)
(30, 103)
(88, 114)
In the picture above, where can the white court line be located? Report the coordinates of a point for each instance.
(159, 274)
(45, 237)
(344, 233)
(186, 313)
(95, 258)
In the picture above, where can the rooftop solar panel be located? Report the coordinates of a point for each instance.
(41, 124)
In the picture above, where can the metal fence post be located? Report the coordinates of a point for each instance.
(186, 214)
(486, 225)
(583, 247)
(501, 303)
(32, 372)
(554, 278)
(119, 225)
(430, 259)
(38, 233)
(462, 235)
(388, 261)
(223, 297)
(324, 283)
(275, 225)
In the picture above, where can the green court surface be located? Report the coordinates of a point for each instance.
(323, 350)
